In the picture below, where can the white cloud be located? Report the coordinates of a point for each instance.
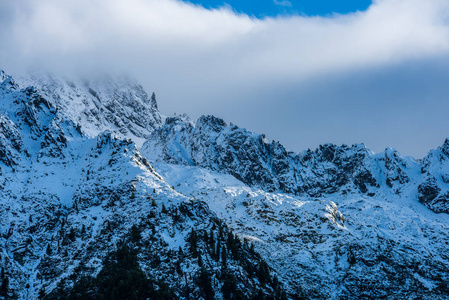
(390, 30)
(283, 3)
(196, 57)
(167, 31)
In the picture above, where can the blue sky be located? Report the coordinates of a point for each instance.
(262, 8)
(378, 76)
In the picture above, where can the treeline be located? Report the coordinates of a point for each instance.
(120, 278)
(213, 263)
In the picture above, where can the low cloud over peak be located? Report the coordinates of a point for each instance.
(217, 59)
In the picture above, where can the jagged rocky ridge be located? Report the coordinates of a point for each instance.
(249, 157)
(72, 200)
(69, 201)
(115, 103)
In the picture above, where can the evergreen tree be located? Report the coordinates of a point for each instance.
(263, 273)
(41, 294)
(193, 240)
(205, 285)
(120, 278)
(224, 257)
(153, 230)
(72, 235)
(5, 286)
(259, 296)
(217, 252)
(200, 261)
(211, 238)
(178, 267)
(229, 288)
(135, 234)
(251, 249)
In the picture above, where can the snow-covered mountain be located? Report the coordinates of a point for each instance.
(115, 103)
(86, 217)
(211, 143)
(205, 210)
(378, 241)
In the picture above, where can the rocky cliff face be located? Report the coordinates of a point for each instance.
(433, 192)
(212, 144)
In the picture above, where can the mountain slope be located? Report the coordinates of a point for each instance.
(70, 202)
(380, 247)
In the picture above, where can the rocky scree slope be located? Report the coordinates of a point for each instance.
(211, 143)
(76, 210)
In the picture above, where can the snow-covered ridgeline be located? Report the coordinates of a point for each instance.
(249, 157)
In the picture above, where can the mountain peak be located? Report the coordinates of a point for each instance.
(445, 147)
(116, 103)
(212, 122)
(2, 75)
(6, 81)
(153, 100)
